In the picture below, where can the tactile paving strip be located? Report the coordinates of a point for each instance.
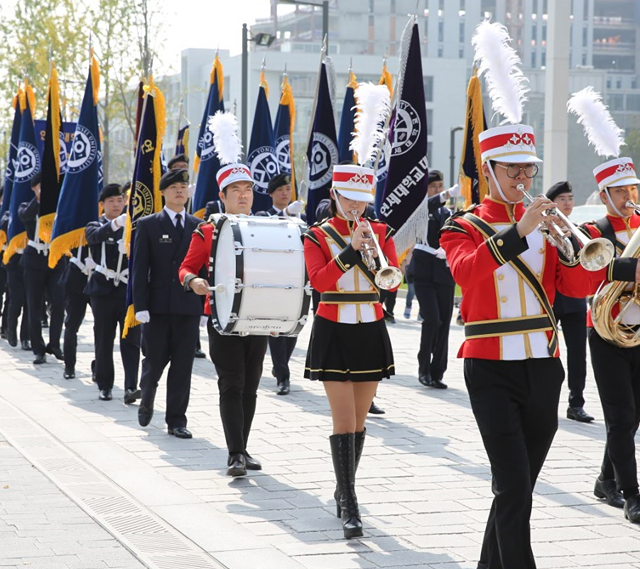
(154, 542)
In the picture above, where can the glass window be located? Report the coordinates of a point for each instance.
(633, 102)
(428, 88)
(615, 102)
(429, 121)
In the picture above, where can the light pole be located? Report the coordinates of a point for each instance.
(325, 15)
(452, 154)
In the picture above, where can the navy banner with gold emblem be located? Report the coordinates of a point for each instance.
(11, 163)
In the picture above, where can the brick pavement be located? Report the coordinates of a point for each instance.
(423, 484)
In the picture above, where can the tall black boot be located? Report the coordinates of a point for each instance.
(359, 444)
(343, 454)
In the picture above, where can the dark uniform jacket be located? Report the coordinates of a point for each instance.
(32, 259)
(273, 212)
(99, 232)
(73, 280)
(158, 254)
(214, 206)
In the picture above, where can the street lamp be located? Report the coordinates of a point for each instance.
(452, 155)
(325, 14)
(263, 40)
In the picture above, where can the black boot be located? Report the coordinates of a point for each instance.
(344, 455)
(359, 445)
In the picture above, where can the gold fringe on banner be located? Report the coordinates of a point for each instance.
(200, 213)
(386, 79)
(287, 100)
(95, 78)
(130, 321)
(18, 242)
(61, 245)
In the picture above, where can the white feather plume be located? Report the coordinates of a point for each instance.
(599, 127)
(499, 63)
(372, 104)
(224, 127)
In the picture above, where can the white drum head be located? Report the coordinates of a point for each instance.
(224, 272)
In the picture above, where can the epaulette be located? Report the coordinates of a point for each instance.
(452, 225)
(308, 234)
(198, 229)
(463, 211)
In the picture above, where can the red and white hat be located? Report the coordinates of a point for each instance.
(511, 143)
(233, 173)
(616, 172)
(354, 182)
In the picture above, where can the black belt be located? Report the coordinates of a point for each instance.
(506, 327)
(349, 298)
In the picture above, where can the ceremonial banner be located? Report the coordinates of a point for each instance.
(472, 183)
(382, 168)
(322, 147)
(11, 163)
(145, 197)
(347, 121)
(406, 186)
(283, 133)
(261, 157)
(206, 163)
(28, 164)
(67, 130)
(182, 143)
(78, 202)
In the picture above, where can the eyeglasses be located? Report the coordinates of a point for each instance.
(513, 170)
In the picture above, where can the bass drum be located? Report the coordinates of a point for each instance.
(258, 277)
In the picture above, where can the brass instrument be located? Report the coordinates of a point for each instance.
(386, 277)
(611, 328)
(594, 255)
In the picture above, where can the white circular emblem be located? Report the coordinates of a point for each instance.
(283, 152)
(207, 149)
(63, 154)
(27, 162)
(406, 129)
(263, 164)
(383, 163)
(83, 150)
(324, 154)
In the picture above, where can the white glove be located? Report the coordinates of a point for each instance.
(192, 190)
(203, 321)
(122, 248)
(440, 253)
(143, 316)
(119, 222)
(90, 263)
(454, 191)
(294, 208)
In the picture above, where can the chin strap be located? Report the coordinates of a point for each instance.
(339, 206)
(493, 175)
(614, 205)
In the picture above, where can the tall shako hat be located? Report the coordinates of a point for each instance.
(357, 182)
(507, 87)
(228, 147)
(605, 136)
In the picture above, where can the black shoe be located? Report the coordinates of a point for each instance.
(131, 396)
(389, 319)
(199, 353)
(12, 338)
(578, 414)
(69, 373)
(251, 463)
(105, 395)
(25, 345)
(145, 414)
(40, 359)
(607, 490)
(55, 352)
(425, 380)
(180, 432)
(375, 410)
(237, 465)
(437, 383)
(343, 453)
(632, 509)
(284, 387)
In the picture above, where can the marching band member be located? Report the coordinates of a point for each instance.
(509, 275)
(349, 349)
(107, 289)
(616, 364)
(238, 359)
(170, 317)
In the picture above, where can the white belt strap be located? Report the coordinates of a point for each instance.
(86, 267)
(116, 276)
(42, 248)
(425, 248)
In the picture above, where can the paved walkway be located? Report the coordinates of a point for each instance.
(83, 486)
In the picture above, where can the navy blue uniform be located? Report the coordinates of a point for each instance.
(16, 297)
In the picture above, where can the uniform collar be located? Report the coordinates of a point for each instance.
(501, 211)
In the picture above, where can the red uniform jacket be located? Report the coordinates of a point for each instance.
(493, 291)
(332, 268)
(198, 256)
(621, 269)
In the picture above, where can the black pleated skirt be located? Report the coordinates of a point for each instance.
(349, 352)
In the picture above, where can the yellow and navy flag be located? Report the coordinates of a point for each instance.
(182, 143)
(382, 168)
(472, 183)
(261, 157)
(78, 201)
(283, 132)
(347, 120)
(28, 164)
(54, 157)
(11, 162)
(206, 163)
(145, 197)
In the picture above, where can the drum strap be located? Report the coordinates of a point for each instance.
(331, 232)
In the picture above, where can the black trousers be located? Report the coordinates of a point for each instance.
(388, 300)
(436, 308)
(17, 300)
(169, 339)
(39, 283)
(4, 298)
(238, 361)
(281, 348)
(574, 330)
(617, 373)
(515, 404)
(76, 308)
(108, 314)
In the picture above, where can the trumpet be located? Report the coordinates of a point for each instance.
(633, 205)
(594, 254)
(386, 277)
